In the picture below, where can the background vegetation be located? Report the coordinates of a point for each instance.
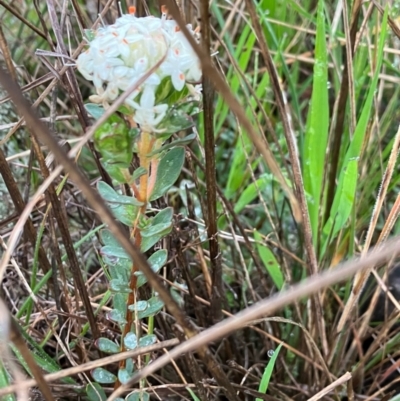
(318, 82)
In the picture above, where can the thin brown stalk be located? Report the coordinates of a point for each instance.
(390, 221)
(339, 382)
(19, 205)
(217, 290)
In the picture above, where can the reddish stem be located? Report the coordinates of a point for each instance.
(144, 147)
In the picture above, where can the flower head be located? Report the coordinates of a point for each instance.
(120, 54)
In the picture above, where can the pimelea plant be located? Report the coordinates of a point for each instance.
(118, 56)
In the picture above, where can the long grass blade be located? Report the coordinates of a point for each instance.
(316, 137)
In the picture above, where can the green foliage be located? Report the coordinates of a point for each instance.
(150, 308)
(345, 193)
(142, 396)
(192, 394)
(168, 171)
(307, 42)
(114, 141)
(106, 345)
(94, 109)
(316, 137)
(176, 120)
(5, 381)
(112, 197)
(270, 262)
(266, 377)
(116, 144)
(95, 392)
(103, 376)
(156, 228)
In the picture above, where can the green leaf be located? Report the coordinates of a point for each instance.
(126, 214)
(316, 136)
(268, 372)
(95, 392)
(130, 365)
(114, 251)
(154, 306)
(139, 306)
(124, 208)
(345, 195)
(124, 376)
(118, 285)
(116, 316)
(270, 262)
(237, 171)
(138, 173)
(106, 345)
(168, 172)
(111, 196)
(112, 247)
(130, 341)
(148, 340)
(158, 228)
(175, 121)
(178, 142)
(156, 261)
(142, 396)
(155, 230)
(94, 109)
(103, 376)
(118, 173)
(119, 302)
(114, 140)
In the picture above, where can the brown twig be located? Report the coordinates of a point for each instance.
(217, 290)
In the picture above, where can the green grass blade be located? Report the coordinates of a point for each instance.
(46, 362)
(263, 387)
(194, 396)
(316, 137)
(5, 382)
(341, 208)
(270, 262)
(252, 190)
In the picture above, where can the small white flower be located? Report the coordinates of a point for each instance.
(195, 91)
(147, 114)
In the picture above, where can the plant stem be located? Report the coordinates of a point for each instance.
(144, 147)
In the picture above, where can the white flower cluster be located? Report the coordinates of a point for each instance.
(120, 54)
